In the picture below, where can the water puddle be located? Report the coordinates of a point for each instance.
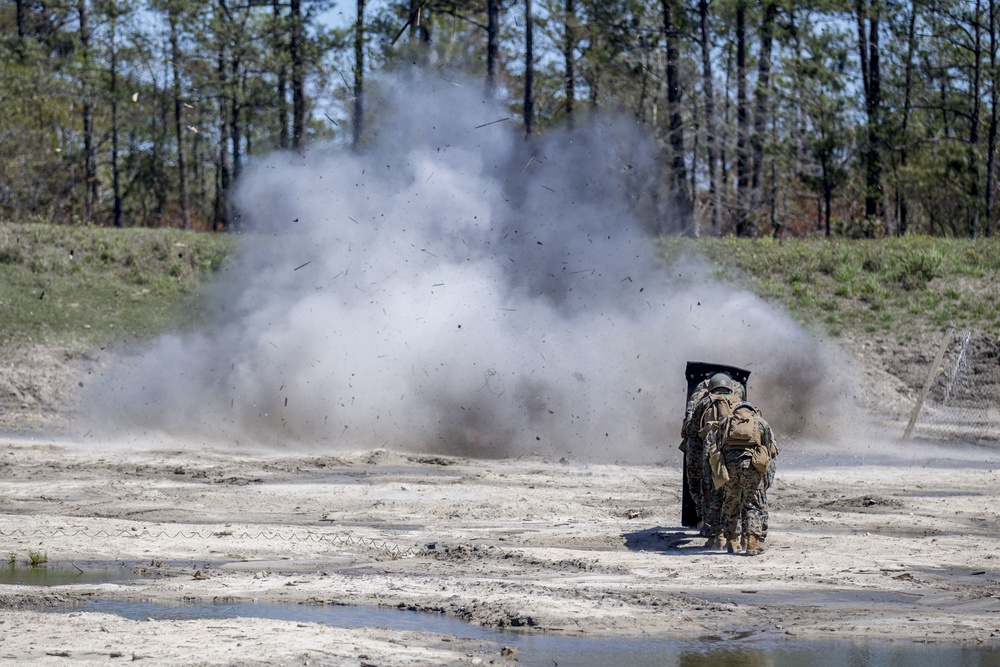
(66, 574)
(539, 650)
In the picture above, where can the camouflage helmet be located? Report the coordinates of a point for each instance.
(721, 381)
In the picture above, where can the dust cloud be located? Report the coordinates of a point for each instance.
(453, 288)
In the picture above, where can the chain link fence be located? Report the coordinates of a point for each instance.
(960, 399)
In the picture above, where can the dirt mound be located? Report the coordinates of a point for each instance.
(40, 386)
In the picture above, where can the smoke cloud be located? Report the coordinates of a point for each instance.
(452, 288)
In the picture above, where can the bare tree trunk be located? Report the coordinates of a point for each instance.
(90, 166)
(798, 121)
(282, 85)
(492, 45)
(175, 61)
(359, 69)
(868, 47)
(644, 77)
(681, 207)
(974, 121)
(770, 11)
(911, 37)
(199, 166)
(776, 225)
(708, 90)
(529, 70)
(693, 171)
(284, 139)
(992, 140)
(724, 159)
(20, 18)
(569, 47)
(744, 226)
(158, 131)
(115, 170)
(827, 198)
(298, 76)
(248, 114)
(222, 179)
(235, 117)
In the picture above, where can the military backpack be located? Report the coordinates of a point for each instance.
(719, 407)
(742, 430)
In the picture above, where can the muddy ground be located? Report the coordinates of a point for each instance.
(902, 545)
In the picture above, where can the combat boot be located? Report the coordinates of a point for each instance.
(732, 546)
(755, 546)
(717, 543)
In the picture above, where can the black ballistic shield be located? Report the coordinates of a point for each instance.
(695, 372)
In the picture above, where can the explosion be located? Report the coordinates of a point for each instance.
(453, 288)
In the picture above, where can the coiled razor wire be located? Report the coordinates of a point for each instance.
(961, 405)
(338, 538)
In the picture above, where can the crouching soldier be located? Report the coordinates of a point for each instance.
(711, 408)
(744, 469)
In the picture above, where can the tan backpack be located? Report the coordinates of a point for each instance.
(742, 431)
(742, 428)
(719, 407)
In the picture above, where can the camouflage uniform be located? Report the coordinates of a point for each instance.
(710, 507)
(744, 496)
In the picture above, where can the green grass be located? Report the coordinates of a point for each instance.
(91, 286)
(836, 286)
(85, 286)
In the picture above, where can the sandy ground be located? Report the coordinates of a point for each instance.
(857, 549)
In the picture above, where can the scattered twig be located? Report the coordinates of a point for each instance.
(492, 122)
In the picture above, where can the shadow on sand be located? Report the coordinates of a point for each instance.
(669, 540)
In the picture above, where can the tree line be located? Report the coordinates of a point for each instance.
(865, 118)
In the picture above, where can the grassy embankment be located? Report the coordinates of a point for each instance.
(89, 286)
(94, 286)
(903, 287)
